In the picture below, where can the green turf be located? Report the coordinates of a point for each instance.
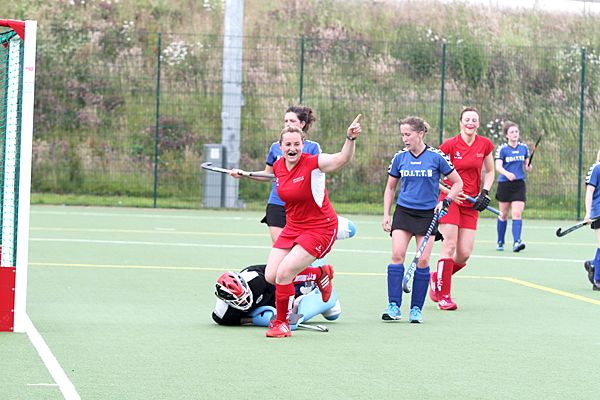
(123, 299)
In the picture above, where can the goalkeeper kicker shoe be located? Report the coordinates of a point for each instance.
(279, 329)
(392, 313)
(415, 315)
(590, 270)
(446, 303)
(324, 283)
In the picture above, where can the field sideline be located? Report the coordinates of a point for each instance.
(123, 297)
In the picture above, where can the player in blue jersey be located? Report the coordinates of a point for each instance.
(512, 158)
(592, 210)
(418, 167)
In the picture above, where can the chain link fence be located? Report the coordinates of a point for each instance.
(121, 117)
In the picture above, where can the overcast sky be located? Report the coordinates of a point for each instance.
(554, 5)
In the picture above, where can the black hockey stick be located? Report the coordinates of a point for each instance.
(535, 147)
(208, 166)
(472, 200)
(413, 265)
(561, 233)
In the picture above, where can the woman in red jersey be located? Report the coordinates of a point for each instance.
(469, 153)
(312, 224)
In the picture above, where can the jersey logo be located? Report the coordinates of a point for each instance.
(457, 155)
(480, 155)
(318, 248)
(299, 179)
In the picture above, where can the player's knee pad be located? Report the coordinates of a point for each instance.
(334, 312)
(346, 229)
(261, 316)
(312, 304)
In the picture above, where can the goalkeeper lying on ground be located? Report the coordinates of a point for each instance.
(247, 298)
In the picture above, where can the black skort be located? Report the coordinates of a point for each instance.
(510, 191)
(414, 221)
(275, 216)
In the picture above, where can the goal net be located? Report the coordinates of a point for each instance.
(17, 78)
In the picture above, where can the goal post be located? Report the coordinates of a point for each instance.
(17, 83)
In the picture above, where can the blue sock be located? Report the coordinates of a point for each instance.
(596, 263)
(517, 225)
(501, 227)
(420, 286)
(395, 277)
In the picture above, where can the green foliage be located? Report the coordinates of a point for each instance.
(97, 77)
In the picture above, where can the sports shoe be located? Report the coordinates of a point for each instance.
(596, 286)
(433, 294)
(518, 246)
(392, 313)
(324, 283)
(590, 270)
(500, 246)
(446, 303)
(415, 315)
(279, 329)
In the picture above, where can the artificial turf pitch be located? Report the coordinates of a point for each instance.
(123, 299)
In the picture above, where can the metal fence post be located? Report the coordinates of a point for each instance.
(581, 132)
(157, 117)
(301, 70)
(442, 94)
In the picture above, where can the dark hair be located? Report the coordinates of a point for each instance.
(291, 129)
(304, 114)
(416, 124)
(507, 125)
(467, 109)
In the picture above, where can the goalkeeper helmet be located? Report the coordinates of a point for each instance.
(234, 290)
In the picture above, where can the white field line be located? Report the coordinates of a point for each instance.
(61, 379)
(239, 246)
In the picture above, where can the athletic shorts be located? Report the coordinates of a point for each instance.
(595, 225)
(317, 242)
(510, 191)
(462, 216)
(275, 216)
(414, 221)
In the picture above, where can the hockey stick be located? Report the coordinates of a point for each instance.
(320, 328)
(561, 233)
(535, 147)
(413, 265)
(208, 166)
(472, 200)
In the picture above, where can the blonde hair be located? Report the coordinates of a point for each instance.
(291, 129)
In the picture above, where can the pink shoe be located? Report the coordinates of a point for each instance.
(279, 329)
(324, 283)
(446, 303)
(433, 294)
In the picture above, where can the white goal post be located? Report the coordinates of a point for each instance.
(17, 84)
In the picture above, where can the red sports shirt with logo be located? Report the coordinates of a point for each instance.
(468, 160)
(305, 195)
